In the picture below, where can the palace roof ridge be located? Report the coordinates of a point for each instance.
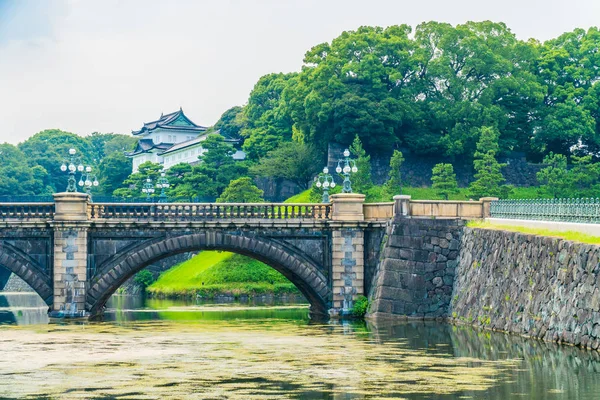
(164, 121)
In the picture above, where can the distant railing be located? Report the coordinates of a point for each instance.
(566, 210)
(207, 211)
(26, 211)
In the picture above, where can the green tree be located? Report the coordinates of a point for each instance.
(569, 68)
(135, 182)
(554, 177)
(361, 180)
(584, 177)
(231, 123)
(104, 144)
(488, 175)
(266, 122)
(211, 176)
(394, 183)
(18, 178)
(49, 148)
(241, 190)
(112, 171)
(296, 162)
(444, 180)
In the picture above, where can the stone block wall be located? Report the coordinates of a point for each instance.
(70, 271)
(542, 287)
(416, 270)
(15, 284)
(347, 267)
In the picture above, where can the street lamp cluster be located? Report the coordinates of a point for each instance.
(73, 165)
(345, 167)
(162, 183)
(325, 181)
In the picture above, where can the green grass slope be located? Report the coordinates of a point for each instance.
(211, 273)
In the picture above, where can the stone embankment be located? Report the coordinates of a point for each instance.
(417, 268)
(542, 287)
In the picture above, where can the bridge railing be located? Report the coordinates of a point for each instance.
(26, 211)
(585, 210)
(208, 211)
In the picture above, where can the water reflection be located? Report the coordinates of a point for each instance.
(22, 308)
(138, 308)
(165, 349)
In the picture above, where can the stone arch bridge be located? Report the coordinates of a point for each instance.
(75, 253)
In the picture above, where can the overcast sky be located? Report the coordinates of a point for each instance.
(110, 65)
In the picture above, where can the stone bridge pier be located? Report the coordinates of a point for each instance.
(328, 251)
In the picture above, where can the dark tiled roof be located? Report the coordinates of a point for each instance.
(166, 119)
(146, 145)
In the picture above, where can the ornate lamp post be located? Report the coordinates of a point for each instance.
(72, 164)
(88, 180)
(325, 181)
(148, 189)
(346, 166)
(162, 184)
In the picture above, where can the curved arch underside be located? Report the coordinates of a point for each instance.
(27, 269)
(301, 271)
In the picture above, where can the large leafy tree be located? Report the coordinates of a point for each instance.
(265, 121)
(112, 171)
(473, 75)
(569, 67)
(360, 84)
(231, 123)
(104, 144)
(50, 148)
(18, 177)
(296, 162)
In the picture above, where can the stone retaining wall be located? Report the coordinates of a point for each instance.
(542, 287)
(416, 270)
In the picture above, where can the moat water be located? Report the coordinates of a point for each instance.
(150, 349)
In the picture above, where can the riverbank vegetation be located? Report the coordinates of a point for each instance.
(214, 273)
(567, 235)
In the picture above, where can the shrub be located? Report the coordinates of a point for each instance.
(361, 305)
(144, 278)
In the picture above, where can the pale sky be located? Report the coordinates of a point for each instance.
(110, 65)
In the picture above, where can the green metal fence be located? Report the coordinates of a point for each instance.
(566, 210)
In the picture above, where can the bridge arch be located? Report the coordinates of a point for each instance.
(300, 270)
(27, 269)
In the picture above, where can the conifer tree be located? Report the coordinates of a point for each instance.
(393, 185)
(361, 180)
(488, 177)
(444, 180)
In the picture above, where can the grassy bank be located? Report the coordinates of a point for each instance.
(213, 273)
(567, 235)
